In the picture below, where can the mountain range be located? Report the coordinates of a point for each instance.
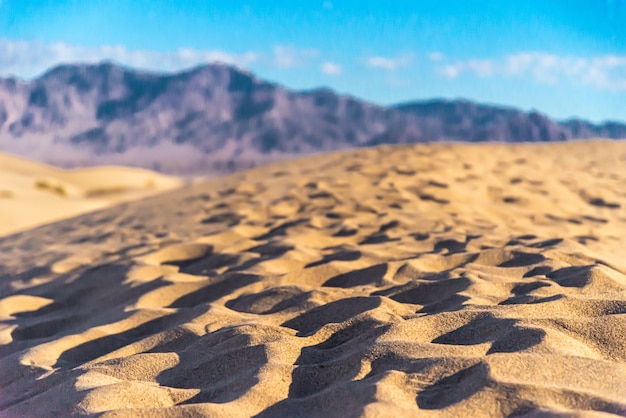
(218, 118)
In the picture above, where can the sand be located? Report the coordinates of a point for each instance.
(33, 194)
(430, 280)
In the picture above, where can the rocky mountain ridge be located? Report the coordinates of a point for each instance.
(218, 118)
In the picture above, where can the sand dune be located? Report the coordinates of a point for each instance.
(428, 280)
(33, 194)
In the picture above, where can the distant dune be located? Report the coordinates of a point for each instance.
(33, 194)
(438, 280)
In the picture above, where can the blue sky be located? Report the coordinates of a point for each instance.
(563, 58)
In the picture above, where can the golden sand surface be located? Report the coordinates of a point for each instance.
(437, 280)
(33, 194)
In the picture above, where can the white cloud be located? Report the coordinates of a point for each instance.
(605, 72)
(330, 68)
(290, 57)
(450, 71)
(25, 59)
(436, 56)
(389, 63)
(481, 68)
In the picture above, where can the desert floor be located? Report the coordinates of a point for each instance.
(428, 280)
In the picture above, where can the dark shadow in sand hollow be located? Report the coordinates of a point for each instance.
(272, 300)
(218, 287)
(341, 254)
(437, 293)
(505, 335)
(334, 312)
(93, 299)
(367, 276)
(223, 365)
(454, 388)
(325, 372)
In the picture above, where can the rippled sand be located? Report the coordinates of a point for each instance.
(428, 280)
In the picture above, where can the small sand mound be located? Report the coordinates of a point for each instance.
(430, 280)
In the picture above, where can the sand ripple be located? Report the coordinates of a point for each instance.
(444, 280)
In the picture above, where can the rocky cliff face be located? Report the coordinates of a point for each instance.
(220, 118)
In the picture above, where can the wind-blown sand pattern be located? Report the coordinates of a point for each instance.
(428, 280)
(33, 194)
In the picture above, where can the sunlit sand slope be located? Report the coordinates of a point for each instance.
(441, 280)
(33, 194)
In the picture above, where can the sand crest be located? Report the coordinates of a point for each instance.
(427, 280)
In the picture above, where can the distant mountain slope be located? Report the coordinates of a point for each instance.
(220, 118)
(462, 120)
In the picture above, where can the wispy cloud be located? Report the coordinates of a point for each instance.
(29, 58)
(330, 68)
(387, 63)
(286, 56)
(604, 72)
(436, 56)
